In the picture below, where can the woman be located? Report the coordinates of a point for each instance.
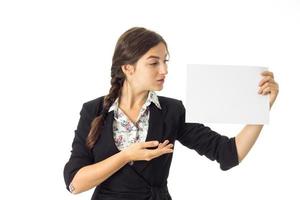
(124, 141)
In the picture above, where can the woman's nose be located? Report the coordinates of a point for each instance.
(164, 69)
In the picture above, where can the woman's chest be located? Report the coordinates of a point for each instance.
(160, 126)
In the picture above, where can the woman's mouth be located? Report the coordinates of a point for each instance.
(161, 81)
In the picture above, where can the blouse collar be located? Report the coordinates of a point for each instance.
(152, 97)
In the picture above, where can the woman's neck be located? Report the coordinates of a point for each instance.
(132, 98)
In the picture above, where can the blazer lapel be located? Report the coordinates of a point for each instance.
(155, 132)
(108, 129)
(105, 146)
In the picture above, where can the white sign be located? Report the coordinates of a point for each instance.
(225, 94)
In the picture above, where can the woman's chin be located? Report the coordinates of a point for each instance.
(158, 88)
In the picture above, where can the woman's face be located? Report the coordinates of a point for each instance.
(151, 69)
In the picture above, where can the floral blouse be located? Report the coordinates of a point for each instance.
(125, 132)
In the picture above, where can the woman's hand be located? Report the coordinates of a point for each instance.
(269, 86)
(139, 151)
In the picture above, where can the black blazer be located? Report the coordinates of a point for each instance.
(145, 180)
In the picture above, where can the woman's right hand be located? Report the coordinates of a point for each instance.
(139, 151)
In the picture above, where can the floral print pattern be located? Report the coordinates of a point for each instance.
(125, 132)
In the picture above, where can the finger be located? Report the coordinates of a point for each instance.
(159, 151)
(149, 144)
(166, 142)
(269, 89)
(167, 149)
(266, 79)
(161, 145)
(262, 88)
(276, 87)
(169, 145)
(268, 73)
(266, 91)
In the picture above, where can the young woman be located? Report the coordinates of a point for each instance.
(124, 141)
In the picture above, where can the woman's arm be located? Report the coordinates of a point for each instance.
(248, 135)
(92, 175)
(246, 139)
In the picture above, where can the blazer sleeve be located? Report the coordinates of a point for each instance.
(207, 142)
(80, 155)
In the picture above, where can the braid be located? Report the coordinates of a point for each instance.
(98, 122)
(114, 93)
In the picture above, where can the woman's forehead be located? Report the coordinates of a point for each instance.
(157, 52)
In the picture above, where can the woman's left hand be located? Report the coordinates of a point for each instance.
(268, 86)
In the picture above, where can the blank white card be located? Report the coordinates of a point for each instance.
(225, 94)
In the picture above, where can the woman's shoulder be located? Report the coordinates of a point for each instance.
(94, 106)
(169, 101)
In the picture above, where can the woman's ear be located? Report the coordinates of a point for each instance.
(127, 69)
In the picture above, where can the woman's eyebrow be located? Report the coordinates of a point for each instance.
(157, 57)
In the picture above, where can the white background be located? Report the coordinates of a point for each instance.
(56, 55)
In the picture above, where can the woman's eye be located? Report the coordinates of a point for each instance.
(156, 63)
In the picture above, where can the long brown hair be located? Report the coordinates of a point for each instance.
(130, 47)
